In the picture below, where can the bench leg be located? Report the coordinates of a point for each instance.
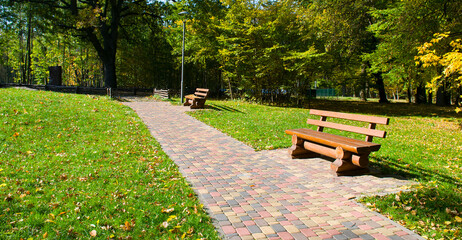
(350, 164)
(298, 150)
(187, 102)
(194, 104)
(197, 103)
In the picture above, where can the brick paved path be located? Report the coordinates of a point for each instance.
(267, 195)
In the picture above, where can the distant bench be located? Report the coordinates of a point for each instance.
(352, 155)
(163, 93)
(197, 100)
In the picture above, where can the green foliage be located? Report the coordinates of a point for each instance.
(423, 143)
(402, 27)
(76, 166)
(145, 57)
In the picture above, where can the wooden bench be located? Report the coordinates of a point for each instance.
(162, 93)
(196, 100)
(352, 155)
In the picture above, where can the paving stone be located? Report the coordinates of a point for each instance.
(395, 237)
(220, 217)
(340, 237)
(349, 234)
(278, 228)
(237, 184)
(254, 229)
(366, 237)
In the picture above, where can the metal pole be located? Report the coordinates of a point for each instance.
(182, 63)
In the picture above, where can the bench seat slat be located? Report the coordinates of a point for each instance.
(361, 130)
(349, 144)
(349, 116)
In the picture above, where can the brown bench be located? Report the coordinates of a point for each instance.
(196, 100)
(352, 155)
(162, 93)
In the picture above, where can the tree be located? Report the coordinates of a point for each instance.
(344, 28)
(401, 27)
(96, 21)
(447, 61)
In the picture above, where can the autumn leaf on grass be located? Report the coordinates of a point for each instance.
(458, 219)
(93, 233)
(171, 218)
(165, 224)
(167, 210)
(127, 226)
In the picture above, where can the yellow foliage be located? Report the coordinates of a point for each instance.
(451, 61)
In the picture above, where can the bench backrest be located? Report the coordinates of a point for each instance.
(370, 132)
(163, 93)
(201, 92)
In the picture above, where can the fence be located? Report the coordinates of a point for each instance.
(113, 92)
(328, 92)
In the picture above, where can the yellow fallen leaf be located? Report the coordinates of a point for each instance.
(447, 223)
(45, 235)
(171, 218)
(458, 219)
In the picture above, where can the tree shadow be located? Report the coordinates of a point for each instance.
(389, 167)
(217, 107)
(390, 109)
(386, 167)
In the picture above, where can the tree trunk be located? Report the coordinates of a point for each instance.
(28, 62)
(409, 91)
(379, 84)
(442, 97)
(363, 78)
(420, 95)
(110, 78)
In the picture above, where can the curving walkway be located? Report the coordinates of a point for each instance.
(267, 195)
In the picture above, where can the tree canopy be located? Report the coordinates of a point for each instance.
(241, 48)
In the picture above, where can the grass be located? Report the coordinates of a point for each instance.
(423, 143)
(81, 167)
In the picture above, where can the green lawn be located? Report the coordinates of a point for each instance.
(423, 143)
(80, 167)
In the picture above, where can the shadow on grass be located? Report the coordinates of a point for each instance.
(390, 109)
(388, 166)
(221, 108)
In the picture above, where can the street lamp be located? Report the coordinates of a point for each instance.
(182, 55)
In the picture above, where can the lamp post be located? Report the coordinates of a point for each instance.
(182, 56)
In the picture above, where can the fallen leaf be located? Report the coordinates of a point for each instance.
(458, 219)
(167, 210)
(93, 233)
(165, 224)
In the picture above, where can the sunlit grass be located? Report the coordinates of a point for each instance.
(76, 166)
(423, 143)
